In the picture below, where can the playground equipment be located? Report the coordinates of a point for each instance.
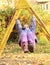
(19, 7)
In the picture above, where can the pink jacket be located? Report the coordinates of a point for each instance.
(23, 36)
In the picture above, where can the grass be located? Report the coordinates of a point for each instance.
(40, 47)
(48, 63)
(43, 46)
(12, 50)
(43, 49)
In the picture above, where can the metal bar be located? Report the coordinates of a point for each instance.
(8, 31)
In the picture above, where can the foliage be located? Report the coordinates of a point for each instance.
(13, 38)
(5, 16)
(44, 15)
(25, 17)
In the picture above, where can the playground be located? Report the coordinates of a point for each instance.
(15, 56)
(10, 51)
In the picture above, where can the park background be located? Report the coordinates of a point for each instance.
(7, 8)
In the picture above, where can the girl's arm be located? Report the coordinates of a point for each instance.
(33, 24)
(18, 26)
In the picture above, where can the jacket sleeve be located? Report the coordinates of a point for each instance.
(18, 26)
(33, 24)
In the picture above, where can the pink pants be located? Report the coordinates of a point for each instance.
(32, 43)
(24, 46)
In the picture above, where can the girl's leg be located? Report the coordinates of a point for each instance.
(32, 46)
(24, 46)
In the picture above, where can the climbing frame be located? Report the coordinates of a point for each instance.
(22, 4)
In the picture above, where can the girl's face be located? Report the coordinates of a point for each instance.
(26, 26)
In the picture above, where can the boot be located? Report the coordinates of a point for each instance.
(30, 47)
(25, 47)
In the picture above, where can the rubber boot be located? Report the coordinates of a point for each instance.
(25, 47)
(30, 47)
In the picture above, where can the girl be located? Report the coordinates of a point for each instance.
(27, 35)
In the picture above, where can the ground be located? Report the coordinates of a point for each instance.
(13, 55)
